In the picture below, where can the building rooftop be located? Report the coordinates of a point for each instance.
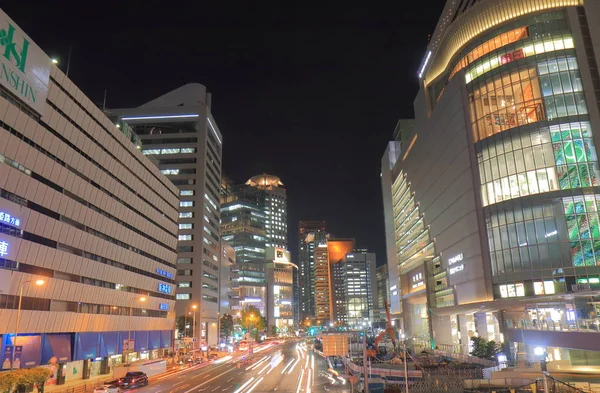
(264, 181)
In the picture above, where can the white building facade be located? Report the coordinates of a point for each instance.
(180, 135)
(86, 216)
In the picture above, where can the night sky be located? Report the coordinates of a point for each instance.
(310, 93)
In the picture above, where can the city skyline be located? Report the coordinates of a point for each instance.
(308, 187)
(247, 60)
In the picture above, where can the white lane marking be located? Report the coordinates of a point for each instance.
(212, 379)
(229, 379)
(178, 383)
(308, 384)
(293, 366)
(216, 388)
(226, 388)
(255, 385)
(238, 390)
(263, 369)
(287, 365)
(300, 381)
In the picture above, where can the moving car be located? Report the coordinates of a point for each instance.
(106, 389)
(134, 379)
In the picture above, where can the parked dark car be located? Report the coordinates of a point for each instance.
(133, 379)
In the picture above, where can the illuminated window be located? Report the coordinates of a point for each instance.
(183, 296)
(186, 192)
(150, 151)
(536, 47)
(185, 237)
(186, 215)
(488, 46)
(186, 203)
(186, 226)
(512, 290)
(169, 171)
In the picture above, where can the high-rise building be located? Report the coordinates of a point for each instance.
(180, 135)
(337, 249)
(253, 218)
(323, 306)
(280, 292)
(360, 289)
(491, 200)
(383, 285)
(311, 233)
(275, 208)
(88, 227)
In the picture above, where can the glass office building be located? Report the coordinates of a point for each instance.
(502, 165)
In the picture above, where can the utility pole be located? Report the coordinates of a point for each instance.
(366, 378)
(405, 364)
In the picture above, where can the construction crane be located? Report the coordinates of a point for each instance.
(389, 330)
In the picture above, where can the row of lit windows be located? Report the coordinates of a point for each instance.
(169, 151)
(490, 45)
(536, 47)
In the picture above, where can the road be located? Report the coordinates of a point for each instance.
(284, 368)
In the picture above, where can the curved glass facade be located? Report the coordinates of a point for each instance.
(533, 136)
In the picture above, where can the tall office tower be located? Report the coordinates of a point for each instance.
(383, 285)
(321, 284)
(243, 227)
(275, 207)
(336, 252)
(311, 233)
(179, 133)
(254, 217)
(88, 227)
(360, 287)
(501, 170)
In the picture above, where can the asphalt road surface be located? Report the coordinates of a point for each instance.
(285, 368)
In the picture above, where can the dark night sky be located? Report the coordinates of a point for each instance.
(310, 93)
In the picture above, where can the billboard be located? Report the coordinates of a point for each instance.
(335, 344)
(24, 67)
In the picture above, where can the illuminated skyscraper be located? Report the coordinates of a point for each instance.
(253, 218)
(311, 233)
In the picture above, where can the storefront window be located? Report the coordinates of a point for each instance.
(511, 100)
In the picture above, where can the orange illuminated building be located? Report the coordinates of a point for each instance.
(336, 252)
(326, 254)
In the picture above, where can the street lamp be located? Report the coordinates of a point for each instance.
(194, 307)
(20, 290)
(141, 299)
(54, 61)
(405, 362)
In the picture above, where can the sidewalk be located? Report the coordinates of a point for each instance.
(88, 385)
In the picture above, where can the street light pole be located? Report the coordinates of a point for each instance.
(20, 290)
(405, 363)
(141, 299)
(366, 377)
